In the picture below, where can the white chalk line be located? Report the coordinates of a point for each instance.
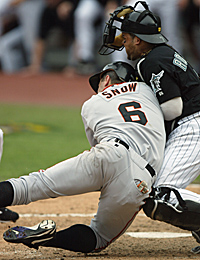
(132, 234)
(27, 215)
(157, 234)
(30, 215)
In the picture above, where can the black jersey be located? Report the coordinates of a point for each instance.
(170, 76)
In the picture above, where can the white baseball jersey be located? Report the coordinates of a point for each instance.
(173, 77)
(130, 112)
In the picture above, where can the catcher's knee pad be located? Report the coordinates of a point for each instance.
(185, 216)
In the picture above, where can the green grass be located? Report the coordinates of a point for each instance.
(37, 137)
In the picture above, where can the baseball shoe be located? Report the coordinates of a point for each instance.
(8, 215)
(32, 237)
(196, 235)
(196, 250)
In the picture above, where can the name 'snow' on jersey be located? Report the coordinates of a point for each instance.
(130, 102)
(128, 111)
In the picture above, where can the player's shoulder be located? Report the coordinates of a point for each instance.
(159, 54)
(89, 105)
(163, 49)
(158, 59)
(94, 99)
(91, 99)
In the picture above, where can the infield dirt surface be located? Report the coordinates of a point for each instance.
(56, 89)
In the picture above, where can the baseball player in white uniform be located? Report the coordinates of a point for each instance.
(125, 127)
(6, 214)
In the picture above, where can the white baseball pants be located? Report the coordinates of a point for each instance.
(108, 167)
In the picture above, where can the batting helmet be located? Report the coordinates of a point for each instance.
(124, 71)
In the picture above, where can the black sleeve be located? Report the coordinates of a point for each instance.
(170, 75)
(163, 85)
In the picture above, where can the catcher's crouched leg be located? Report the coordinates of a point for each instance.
(185, 215)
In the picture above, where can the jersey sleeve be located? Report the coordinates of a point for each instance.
(157, 76)
(86, 121)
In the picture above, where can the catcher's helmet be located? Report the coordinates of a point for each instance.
(124, 71)
(144, 24)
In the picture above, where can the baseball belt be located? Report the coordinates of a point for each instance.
(148, 166)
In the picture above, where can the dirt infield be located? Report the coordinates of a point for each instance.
(66, 211)
(50, 89)
(56, 89)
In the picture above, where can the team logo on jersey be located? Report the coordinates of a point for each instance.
(155, 83)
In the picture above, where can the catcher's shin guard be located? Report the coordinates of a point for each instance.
(185, 216)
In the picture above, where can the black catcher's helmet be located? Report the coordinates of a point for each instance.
(124, 71)
(144, 24)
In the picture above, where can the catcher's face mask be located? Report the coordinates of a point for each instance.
(144, 24)
(112, 36)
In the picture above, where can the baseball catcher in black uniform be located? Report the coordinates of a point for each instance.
(177, 87)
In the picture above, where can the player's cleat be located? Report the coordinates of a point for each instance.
(196, 235)
(8, 215)
(32, 237)
(196, 250)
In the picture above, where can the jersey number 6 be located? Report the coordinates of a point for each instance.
(131, 113)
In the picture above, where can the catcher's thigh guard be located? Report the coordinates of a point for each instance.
(185, 216)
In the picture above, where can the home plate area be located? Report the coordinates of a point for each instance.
(131, 234)
(144, 239)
